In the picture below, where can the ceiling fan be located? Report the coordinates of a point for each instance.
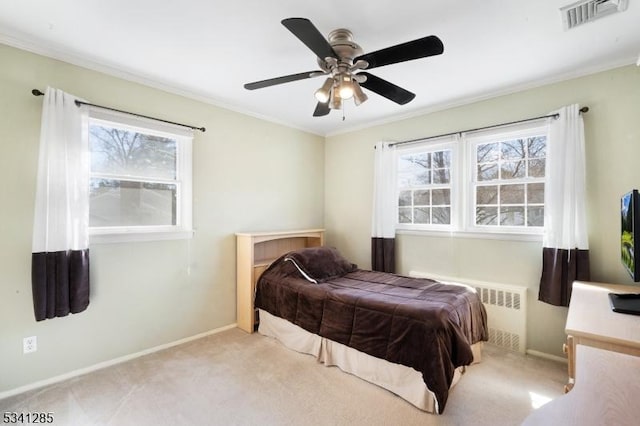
(343, 62)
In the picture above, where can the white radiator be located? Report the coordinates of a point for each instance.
(506, 307)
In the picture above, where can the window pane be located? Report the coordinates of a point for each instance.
(125, 203)
(486, 216)
(441, 159)
(421, 160)
(421, 198)
(487, 152)
(421, 215)
(441, 215)
(413, 169)
(128, 153)
(537, 168)
(512, 216)
(487, 194)
(513, 150)
(487, 172)
(512, 194)
(535, 216)
(404, 215)
(537, 146)
(535, 193)
(440, 197)
(441, 176)
(513, 169)
(404, 198)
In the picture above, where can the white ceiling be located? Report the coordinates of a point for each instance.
(207, 49)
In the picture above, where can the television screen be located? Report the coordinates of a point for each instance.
(629, 232)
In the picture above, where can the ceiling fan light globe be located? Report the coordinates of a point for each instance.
(358, 95)
(336, 101)
(346, 91)
(323, 94)
(345, 87)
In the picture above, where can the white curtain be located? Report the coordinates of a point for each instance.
(565, 241)
(60, 259)
(384, 215)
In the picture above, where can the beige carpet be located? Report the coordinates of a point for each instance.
(233, 378)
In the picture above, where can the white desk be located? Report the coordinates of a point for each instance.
(591, 322)
(604, 363)
(607, 392)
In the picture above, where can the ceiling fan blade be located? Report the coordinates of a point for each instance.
(388, 90)
(416, 49)
(310, 36)
(321, 109)
(284, 79)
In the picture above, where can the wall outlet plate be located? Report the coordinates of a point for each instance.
(29, 344)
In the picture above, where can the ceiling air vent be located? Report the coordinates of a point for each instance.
(588, 10)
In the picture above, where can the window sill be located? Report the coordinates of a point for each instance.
(138, 236)
(506, 236)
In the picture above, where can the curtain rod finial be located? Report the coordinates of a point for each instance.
(36, 92)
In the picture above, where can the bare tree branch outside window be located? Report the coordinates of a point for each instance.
(503, 198)
(425, 197)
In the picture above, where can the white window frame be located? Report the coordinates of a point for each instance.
(430, 146)
(463, 175)
(184, 140)
(471, 141)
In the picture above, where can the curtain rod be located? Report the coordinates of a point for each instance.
(582, 110)
(37, 92)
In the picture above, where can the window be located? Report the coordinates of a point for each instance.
(140, 181)
(425, 176)
(507, 188)
(496, 185)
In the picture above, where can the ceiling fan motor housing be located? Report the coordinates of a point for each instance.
(341, 40)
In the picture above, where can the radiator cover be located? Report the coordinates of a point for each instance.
(506, 306)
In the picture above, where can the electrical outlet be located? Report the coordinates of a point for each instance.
(29, 344)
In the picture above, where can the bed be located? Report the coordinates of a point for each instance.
(412, 336)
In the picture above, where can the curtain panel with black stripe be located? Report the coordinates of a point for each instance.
(60, 250)
(383, 231)
(565, 252)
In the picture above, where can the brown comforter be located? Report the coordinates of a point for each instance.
(419, 323)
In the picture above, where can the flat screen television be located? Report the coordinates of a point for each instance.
(630, 233)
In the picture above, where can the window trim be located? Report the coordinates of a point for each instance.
(184, 212)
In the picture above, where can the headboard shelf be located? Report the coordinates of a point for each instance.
(255, 252)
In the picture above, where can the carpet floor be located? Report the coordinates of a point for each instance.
(233, 378)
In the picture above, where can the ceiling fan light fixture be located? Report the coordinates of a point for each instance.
(345, 87)
(323, 94)
(336, 100)
(358, 95)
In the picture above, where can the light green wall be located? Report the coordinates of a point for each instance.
(248, 174)
(612, 128)
(254, 175)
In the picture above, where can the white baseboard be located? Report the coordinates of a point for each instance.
(101, 365)
(546, 356)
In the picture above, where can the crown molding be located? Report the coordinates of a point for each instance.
(53, 52)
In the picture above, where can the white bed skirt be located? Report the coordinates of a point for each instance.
(399, 379)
